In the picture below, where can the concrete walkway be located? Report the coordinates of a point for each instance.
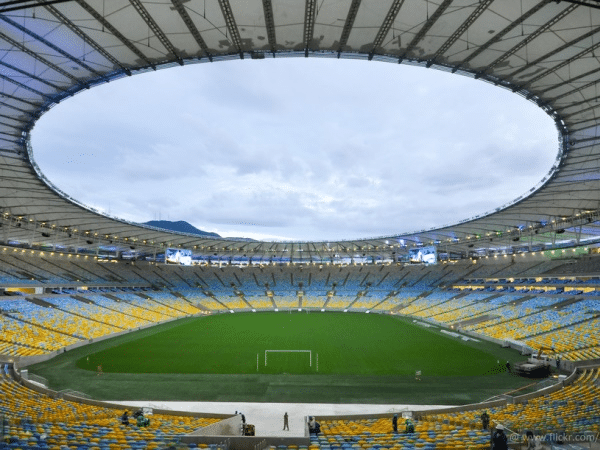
(268, 417)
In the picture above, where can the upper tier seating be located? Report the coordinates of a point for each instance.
(421, 291)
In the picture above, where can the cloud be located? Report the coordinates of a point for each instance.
(297, 149)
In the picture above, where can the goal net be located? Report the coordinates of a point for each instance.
(288, 361)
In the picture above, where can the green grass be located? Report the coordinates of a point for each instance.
(346, 344)
(362, 358)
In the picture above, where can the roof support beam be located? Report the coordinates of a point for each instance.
(30, 75)
(39, 58)
(566, 62)
(348, 25)
(10, 134)
(390, 17)
(481, 7)
(533, 36)
(582, 102)
(270, 24)
(310, 16)
(158, 32)
(24, 86)
(544, 57)
(49, 44)
(569, 81)
(589, 3)
(505, 31)
(189, 23)
(9, 140)
(234, 33)
(16, 5)
(426, 27)
(89, 41)
(22, 111)
(589, 108)
(27, 102)
(573, 91)
(16, 119)
(108, 26)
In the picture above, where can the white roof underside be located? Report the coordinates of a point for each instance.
(543, 50)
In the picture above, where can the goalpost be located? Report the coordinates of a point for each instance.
(290, 351)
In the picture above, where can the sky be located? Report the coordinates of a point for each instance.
(296, 148)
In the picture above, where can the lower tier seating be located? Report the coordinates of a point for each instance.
(34, 420)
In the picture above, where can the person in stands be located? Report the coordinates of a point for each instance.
(485, 420)
(142, 421)
(313, 426)
(530, 440)
(499, 439)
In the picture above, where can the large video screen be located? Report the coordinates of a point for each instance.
(178, 256)
(424, 255)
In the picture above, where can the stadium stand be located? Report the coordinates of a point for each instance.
(36, 321)
(377, 433)
(38, 421)
(286, 301)
(573, 409)
(525, 316)
(314, 301)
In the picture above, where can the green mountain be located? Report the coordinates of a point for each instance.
(180, 226)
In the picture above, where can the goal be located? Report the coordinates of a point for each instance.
(290, 351)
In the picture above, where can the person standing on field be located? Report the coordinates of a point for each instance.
(286, 425)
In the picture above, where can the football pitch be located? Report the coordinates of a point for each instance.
(282, 356)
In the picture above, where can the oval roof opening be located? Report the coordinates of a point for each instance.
(296, 149)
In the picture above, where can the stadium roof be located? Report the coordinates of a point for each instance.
(544, 50)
